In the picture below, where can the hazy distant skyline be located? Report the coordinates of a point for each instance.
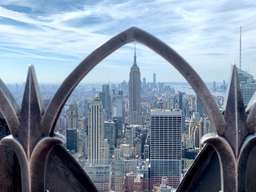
(55, 36)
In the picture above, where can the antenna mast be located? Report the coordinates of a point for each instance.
(240, 49)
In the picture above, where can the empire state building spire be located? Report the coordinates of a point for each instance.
(135, 92)
(135, 56)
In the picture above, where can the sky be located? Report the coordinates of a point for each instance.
(56, 35)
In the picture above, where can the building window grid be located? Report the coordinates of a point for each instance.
(167, 144)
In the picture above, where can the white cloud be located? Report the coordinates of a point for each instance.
(205, 34)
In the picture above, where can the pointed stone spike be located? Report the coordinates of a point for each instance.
(9, 109)
(234, 114)
(9, 95)
(30, 115)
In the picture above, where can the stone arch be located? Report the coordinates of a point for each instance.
(132, 34)
(246, 165)
(205, 168)
(227, 160)
(9, 109)
(14, 168)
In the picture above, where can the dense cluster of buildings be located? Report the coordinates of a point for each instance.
(139, 136)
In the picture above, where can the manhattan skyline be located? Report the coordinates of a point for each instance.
(127, 95)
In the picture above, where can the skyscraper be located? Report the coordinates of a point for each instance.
(144, 83)
(247, 85)
(72, 138)
(95, 132)
(71, 132)
(110, 135)
(119, 129)
(118, 105)
(135, 93)
(180, 100)
(165, 146)
(154, 79)
(98, 169)
(199, 106)
(72, 116)
(106, 101)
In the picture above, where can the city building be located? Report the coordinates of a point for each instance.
(119, 129)
(134, 182)
(95, 132)
(132, 132)
(247, 85)
(106, 101)
(164, 186)
(105, 152)
(165, 146)
(110, 134)
(121, 166)
(72, 116)
(100, 176)
(180, 100)
(135, 93)
(71, 143)
(199, 106)
(195, 130)
(154, 79)
(72, 128)
(146, 151)
(118, 105)
(98, 166)
(118, 172)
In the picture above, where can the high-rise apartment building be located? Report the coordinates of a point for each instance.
(165, 146)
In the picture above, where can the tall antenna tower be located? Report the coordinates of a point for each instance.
(240, 49)
(135, 54)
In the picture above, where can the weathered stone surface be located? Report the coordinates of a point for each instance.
(24, 157)
(205, 171)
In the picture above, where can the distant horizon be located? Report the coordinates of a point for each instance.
(101, 83)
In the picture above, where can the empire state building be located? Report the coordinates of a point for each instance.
(135, 93)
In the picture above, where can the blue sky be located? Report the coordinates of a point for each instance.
(55, 35)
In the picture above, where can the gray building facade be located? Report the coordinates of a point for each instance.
(135, 93)
(165, 146)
